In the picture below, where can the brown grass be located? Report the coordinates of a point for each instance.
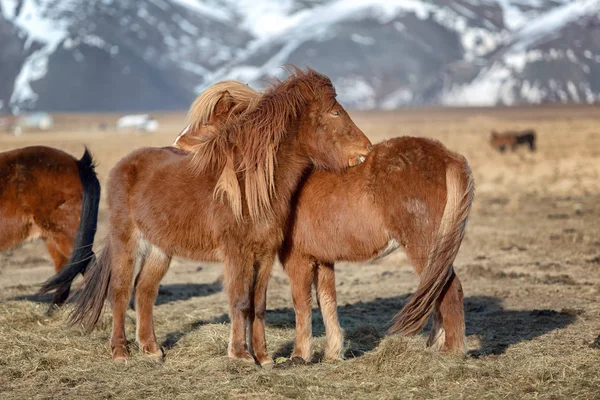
(529, 266)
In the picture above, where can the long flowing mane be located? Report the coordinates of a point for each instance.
(203, 108)
(249, 142)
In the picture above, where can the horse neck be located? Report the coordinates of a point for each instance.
(291, 164)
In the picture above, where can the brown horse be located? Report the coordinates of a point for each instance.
(398, 198)
(513, 140)
(411, 193)
(46, 193)
(159, 208)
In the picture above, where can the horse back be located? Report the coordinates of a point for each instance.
(155, 192)
(40, 194)
(409, 177)
(39, 179)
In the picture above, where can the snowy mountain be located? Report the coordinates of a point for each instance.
(101, 55)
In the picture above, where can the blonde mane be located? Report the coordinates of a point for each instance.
(203, 108)
(248, 143)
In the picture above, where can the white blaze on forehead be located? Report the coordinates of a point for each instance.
(187, 128)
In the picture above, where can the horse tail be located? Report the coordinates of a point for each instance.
(439, 269)
(90, 302)
(82, 253)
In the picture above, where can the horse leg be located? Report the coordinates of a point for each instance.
(417, 255)
(146, 289)
(324, 281)
(448, 331)
(239, 274)
(300, 272)
(258, 309)
(59, 249)
(124, 257)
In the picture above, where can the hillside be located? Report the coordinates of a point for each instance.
(76, 55)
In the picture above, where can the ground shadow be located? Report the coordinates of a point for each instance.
(183, 291)
(499, 328)
(45, 298)
(166, 293)
(365, 324)
(174, 337)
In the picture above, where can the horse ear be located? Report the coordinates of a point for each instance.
(224, 104)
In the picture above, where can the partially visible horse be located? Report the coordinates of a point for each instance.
(513, 139)
(410, 193)
(47, 193)
(227, 201)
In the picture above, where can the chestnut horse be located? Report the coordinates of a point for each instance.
(47, 193)
(513, 139)
(231, 205)
(399, 197)
(411, 193)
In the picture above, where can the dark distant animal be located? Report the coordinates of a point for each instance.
(46, 193)
(165, 202)
(512, 140)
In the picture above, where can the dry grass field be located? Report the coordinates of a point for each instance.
(529, 266)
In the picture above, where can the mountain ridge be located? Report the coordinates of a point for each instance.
(113, 55)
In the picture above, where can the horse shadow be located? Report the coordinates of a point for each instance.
(184, 291)
(365, 324)
(166, 293)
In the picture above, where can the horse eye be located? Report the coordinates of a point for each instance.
(335, 113)
(204, 125)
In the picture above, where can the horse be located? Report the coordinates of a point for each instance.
(228, 200)
(49, 194)
(502, 141)
(400, 196)
(409, 192)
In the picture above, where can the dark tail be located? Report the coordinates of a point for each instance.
(90, 302)
(82, 253)
(438, 271)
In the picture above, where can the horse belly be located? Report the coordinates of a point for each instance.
(188, 240)
(361, 244)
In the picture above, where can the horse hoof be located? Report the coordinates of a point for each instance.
(119, 354)
(51, 310)
(155, 352)
(296, 357)
(120, 359)
(265, 361)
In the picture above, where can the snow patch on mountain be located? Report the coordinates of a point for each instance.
(30, 17)
(496, 83)
(211, 11)
(548, 25)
